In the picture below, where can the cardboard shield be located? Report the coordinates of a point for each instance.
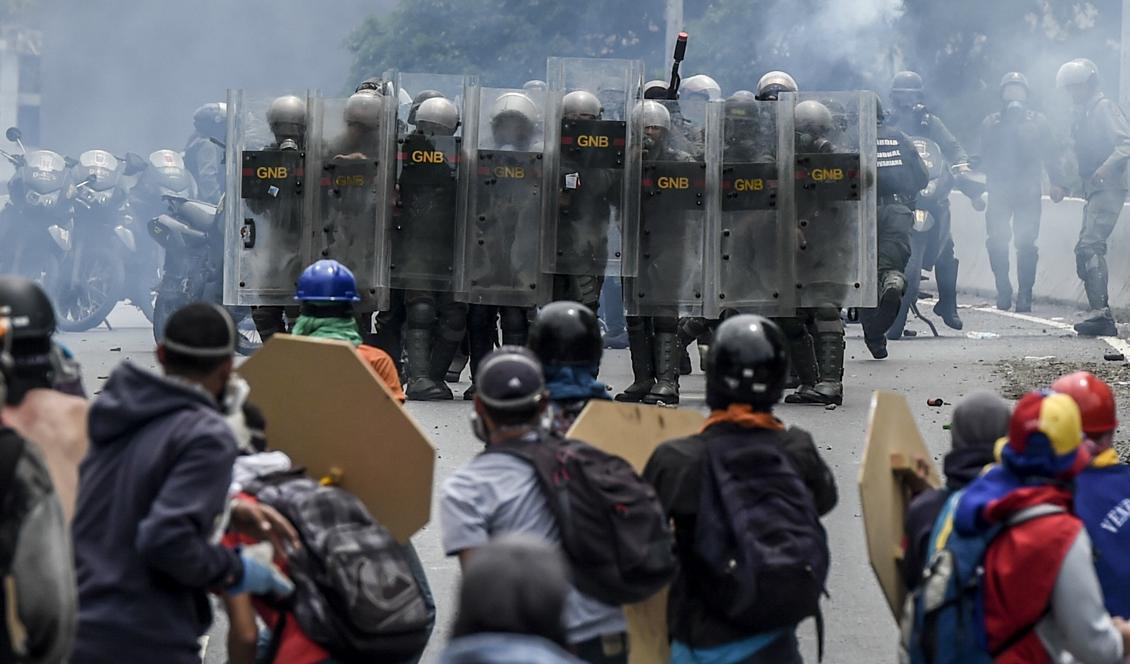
(632, 432)
(329, 411)
(896, 466)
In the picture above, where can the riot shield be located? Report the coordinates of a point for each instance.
(749, 258)
(835, 189)
(429, 179)
(590, 187)
(674, 197)
(350, 146)
(267, 237)
(500, 229)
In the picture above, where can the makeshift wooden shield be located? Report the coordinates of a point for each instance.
(896, 466)
(633, 432)
(329, 411)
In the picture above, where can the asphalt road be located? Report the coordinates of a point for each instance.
(993, 351)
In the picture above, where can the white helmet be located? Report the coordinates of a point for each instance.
(774, 83)
(514, 104)
(813, 118)
(1079, 71)
(437, 115)
(364, 108)
(655, 85)
(701, 85)
(651, 113)
(580, 102)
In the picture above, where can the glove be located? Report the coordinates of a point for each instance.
(260, 575)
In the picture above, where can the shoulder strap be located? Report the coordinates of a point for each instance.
(1034, 512)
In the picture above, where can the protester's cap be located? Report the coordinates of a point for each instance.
(1044, 437)
(516, 584)
(200, 330)
(510, 379)
(979, 420)
(1094, 398)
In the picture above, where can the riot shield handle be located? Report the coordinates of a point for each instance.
(680, 53)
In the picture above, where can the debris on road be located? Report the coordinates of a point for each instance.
(935, 402)
(1114, 357)
(981, 335)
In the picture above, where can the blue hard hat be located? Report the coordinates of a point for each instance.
(327, 281)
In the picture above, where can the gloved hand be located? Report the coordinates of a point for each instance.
(260, 575)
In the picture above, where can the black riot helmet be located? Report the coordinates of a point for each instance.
(907, 89)
(31, 324)
(566, 334)
(748, 363)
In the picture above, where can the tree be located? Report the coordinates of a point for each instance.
(505, 42)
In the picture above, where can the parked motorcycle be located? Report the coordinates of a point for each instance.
(192, 236)
(34, 221)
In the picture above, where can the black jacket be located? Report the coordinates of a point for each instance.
(961, 467)
(900, 168)
(151, 491)
(675, 469)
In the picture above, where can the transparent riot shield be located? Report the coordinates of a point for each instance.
(267, 234)
(429, 180)
(500, 229)
(350, 155)
(835, 190)
(674, 197)
(750, 247)
(591, 186)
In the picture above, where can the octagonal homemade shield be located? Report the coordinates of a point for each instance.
(329, 411)
(896, 466)
(632, 432)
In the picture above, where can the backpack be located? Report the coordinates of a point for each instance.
(943, 620)
(357, 593)
(760, 550)
(613, 529)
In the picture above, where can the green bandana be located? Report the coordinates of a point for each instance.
(343, 329)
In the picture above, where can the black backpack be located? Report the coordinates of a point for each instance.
(761, 551)
(613, 529)
(357, 593)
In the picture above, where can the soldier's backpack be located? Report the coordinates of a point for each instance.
(943, 620)
(356, 592)
(613, 529)
(760, 550)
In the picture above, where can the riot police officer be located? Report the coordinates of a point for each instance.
(585, 204)
(513, 127)
(901, 174)
(1016, 146)
(653, 340)
(286, 118)
(700, 86)
(1102, 148)
(424, 250)
(910, 114)
(204, 153)
(816, 334)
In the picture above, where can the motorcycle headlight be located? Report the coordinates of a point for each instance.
(36, 199)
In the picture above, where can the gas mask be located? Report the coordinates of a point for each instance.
(810, 144)
(1014, 111)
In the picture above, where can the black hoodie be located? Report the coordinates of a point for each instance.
(151, 490)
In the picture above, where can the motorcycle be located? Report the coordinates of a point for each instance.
(33, 222)
(99, 242)
(192, 236)
(162, 174)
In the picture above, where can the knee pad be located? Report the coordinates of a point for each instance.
(421, 313)
(893, 279)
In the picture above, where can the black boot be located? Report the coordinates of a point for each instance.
(802, 358)
(641, 347)
(1101, 324)
(877, 321)
(946, 308)
(1025, 279)
(830, 358)
(421, 386)
(666, 389)
(998, 261)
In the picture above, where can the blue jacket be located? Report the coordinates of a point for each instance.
(151, 491)
(502, 648)
(1102, 501)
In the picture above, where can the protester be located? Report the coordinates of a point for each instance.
(566, 338)
(500, 493)
(746, 370)
(511, 605)
(35, 407)
(151, 491)
(1102, 492)
(38, 602)
(979, 421)
(1040, 598)
(328, 291)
